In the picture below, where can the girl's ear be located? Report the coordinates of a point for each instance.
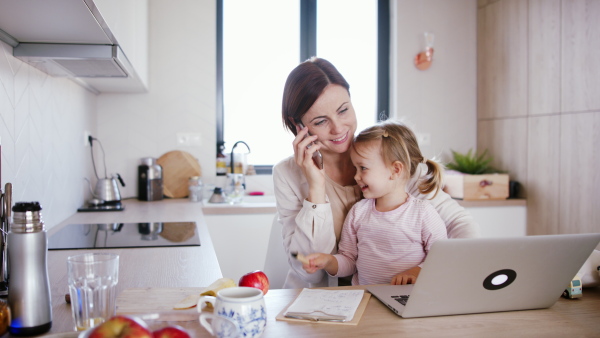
(397, 169)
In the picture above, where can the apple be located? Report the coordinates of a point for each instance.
(121, 327)
(171, 332)
(255, 279)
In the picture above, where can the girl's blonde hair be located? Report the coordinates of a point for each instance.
(399, 143)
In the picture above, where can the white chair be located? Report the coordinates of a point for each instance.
(276, 264)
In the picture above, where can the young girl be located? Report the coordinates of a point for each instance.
(387, 235)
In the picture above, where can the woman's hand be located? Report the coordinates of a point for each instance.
(304, 148)
(406, 277)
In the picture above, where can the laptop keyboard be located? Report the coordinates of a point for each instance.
(402, 299)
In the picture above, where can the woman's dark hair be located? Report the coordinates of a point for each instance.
(303, 87)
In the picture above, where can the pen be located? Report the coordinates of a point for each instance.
(316, 318)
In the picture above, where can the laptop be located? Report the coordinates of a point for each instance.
(464, 276)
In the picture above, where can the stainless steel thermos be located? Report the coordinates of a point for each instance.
(29, 288)
(150, 180)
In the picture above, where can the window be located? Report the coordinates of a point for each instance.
(259, 42)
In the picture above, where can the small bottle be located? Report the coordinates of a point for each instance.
(221, 160)
(29, 302)
(195, 187)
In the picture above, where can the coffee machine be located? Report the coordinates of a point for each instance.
(150, 180)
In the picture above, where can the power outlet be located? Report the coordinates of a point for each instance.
(189, 139)
(86, 138)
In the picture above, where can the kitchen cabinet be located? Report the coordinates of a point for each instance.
(82, 22)
(240, 241)
(504, 218)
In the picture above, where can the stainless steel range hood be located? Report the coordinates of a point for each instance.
(75, 60)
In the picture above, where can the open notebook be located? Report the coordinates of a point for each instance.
(325, 305)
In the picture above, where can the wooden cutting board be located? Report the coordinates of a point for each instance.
(178, 166)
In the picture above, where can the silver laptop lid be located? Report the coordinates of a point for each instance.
(463, 276)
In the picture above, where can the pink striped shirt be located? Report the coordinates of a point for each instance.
(375, 246)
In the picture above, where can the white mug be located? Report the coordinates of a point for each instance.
(219, 326)
(243, 305)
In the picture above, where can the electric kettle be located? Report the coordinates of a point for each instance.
(107, 190)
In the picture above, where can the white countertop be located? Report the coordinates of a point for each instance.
(262, 204)
(160, 267)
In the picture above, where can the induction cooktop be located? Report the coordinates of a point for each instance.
(124, 235)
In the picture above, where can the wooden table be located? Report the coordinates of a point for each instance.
(193, 266)
(578, 317)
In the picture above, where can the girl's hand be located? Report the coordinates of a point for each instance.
(318, 261)
(406, 277)
(303, 152)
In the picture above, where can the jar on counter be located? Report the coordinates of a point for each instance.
(195, 188)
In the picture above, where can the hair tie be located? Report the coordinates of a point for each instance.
(385, 133)
(424, 160)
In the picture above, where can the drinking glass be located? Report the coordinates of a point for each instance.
(93, 279)
(235, 188)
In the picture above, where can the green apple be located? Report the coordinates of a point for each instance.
(121, 327)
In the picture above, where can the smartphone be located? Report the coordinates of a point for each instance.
(317, 157)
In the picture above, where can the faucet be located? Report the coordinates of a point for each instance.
(232, 149)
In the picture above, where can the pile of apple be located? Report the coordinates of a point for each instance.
(131, 327)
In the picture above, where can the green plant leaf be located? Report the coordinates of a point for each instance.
(470, 163)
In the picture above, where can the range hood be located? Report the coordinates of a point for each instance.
(74, 60)
(72, 39)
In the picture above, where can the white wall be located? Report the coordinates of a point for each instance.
(440, 101)
(181, 96)
(42, 120)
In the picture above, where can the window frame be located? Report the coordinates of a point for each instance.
(308, 48)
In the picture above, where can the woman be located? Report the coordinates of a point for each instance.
(312, 203)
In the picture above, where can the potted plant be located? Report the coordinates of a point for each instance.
(470, 177)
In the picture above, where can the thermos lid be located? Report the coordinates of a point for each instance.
(149, 161)
(26, 206)
(27, 217)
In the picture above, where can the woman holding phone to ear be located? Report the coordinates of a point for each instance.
(312, 203)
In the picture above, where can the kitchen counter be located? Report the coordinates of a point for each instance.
(163, 267)
(266, 205)
(567, 317)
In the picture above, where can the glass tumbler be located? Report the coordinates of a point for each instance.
(93, 279)
(235, 188)
(195, 187)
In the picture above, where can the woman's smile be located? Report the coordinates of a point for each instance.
(340, 140)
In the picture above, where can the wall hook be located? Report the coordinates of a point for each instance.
(424, 59)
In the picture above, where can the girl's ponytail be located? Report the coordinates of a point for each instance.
(434, 180)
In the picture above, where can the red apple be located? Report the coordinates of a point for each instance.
(121, 327)
(255, 279)
(171, 332)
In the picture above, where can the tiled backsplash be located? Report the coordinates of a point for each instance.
(42, 123)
